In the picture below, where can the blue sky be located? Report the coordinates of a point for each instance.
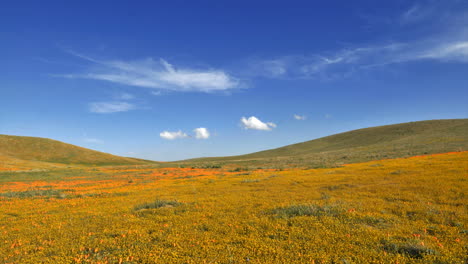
(168, 80)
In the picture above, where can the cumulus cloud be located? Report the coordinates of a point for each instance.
(158, 75)
(110, 107)
(254, 123)
(201, 133)
(300, 117)
(172, 135)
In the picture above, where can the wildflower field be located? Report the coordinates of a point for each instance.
(411, 210)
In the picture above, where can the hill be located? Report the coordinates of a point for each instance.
(43, 152)
(382, 142)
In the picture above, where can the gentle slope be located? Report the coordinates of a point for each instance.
(42, 150)
(391, 141)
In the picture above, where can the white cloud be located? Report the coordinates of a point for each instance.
(274, 68)
(93, 140)
(416, 13)
(110, 107)
(439, 34)
(157, 75)
(201, 133)
(254, 123)
(345, 62)
(456, 51)
(172, 135)
(430, 12)
(300, 117)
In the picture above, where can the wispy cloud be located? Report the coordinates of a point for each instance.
(432, 11)
(417, 12)
(455, 51)
(344, 62)
(255, 123)
(158, 74)
(172, 135)
(300, 117)
(269, 68)
(124, 96)
(110, 107)
(445, 41)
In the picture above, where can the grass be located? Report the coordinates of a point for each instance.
(384, 142)
(374, 143)
(157, 204)
(250, 180)
(412, 249)
(358, 213)
(308, 210)
(43, 150)
(51, 193)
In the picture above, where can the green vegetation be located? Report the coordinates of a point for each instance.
(358, 213)
(375, 143)
(308, 210)
(41, 150)
(34, 193)
(157, 204)
(253, 208)
(412, 249)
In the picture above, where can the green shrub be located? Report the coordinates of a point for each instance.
(411, 249)
(157, 204)
(307, 210)
(250, 180)
(35, 193)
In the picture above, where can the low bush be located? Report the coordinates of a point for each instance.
(411, 249)
(307, 210)
(157, 204)
(250, 180)
(51, 193)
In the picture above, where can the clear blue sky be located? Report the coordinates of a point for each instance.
(167, 80)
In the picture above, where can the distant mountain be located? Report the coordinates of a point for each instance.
(391, 141)
(40, 151)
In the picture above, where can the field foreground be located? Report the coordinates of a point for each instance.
(411, 210)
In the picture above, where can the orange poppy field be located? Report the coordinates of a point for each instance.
(409, 210)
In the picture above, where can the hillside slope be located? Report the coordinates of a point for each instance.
(33, 149)
(390, 141)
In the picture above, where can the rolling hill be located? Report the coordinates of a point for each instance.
(374, 143)
(43, 152)
(382, 142)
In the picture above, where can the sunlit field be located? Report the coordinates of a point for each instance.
(411, 210)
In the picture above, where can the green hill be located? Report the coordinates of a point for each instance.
(40, 150)
(391, 141)
(383, 142)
